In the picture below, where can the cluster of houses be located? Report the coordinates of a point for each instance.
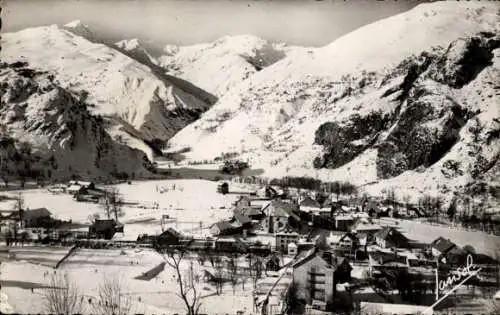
(39, 224)
(327, 240)
(80, 190)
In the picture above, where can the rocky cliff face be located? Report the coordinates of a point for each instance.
(141, 104)
(67, 139)
(415, 108)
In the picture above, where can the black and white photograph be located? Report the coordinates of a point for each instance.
(250, 157)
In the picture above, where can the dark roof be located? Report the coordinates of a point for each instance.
(223, 226)
(349, 235)
(332, 258)
(36, 213)
(283, 209)
(172, 232)
(251, 211)
(243, 219)
(442, 245)
(102, 225)
(389, 232)
(309, 202)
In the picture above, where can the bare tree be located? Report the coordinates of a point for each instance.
(188, 291)
(62, 296)
(112, 300)
(257, 270)
(218, 264)
(406, 200)
(233, 270)
(19, 202)
(112, 204)
(24, 162)
(437, 204)
(7, 153)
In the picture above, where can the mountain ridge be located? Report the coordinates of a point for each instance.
(272, 119)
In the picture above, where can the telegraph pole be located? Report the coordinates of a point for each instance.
(437, 278)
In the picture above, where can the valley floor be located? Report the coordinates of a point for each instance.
(189, 202)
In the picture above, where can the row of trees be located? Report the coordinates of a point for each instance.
(18, 162)
(63, 296)
(226, 269)
(309, 183)
(235, 167)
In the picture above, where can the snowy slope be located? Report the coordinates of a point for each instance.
(154, 105)
(222, 64)
(137, 49)
(271, 119)
(66, 138)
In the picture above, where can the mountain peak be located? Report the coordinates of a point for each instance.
(78, 28)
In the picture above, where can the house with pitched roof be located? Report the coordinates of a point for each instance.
(447, 251)
(169, 237)
(316, 274)
(364, 226)
(343, 222)
(309, 204)
(240, 221)
(105, 229)
(251, 212)
(34, 217)
(278, 214)
(221, 228)
(389, 237)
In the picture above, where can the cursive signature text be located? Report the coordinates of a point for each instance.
(460, 273)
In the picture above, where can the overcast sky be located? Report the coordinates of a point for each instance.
(299, 22)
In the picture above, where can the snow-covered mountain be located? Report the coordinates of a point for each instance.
(141, 103)
(414, 107)
(66, 138)
(137, 49)
(219, 66)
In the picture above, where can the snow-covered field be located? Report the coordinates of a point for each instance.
(88, 267)
(190, 201)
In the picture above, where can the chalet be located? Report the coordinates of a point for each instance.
(390, 237)
(240, 221)
(169, 237)
(309, 204)
(34, 217)
(284, 238)
(348, 243)
(75, 189)
(441, 246)
(365, 227)
(379, 260)
(105, 229)
(87, 185)
(222, 228)
(267, 192)
(231, 244)
(316, 275)
(343, 222)
(447, 251)
(252, 213)
(278, 214)
(333, 238)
